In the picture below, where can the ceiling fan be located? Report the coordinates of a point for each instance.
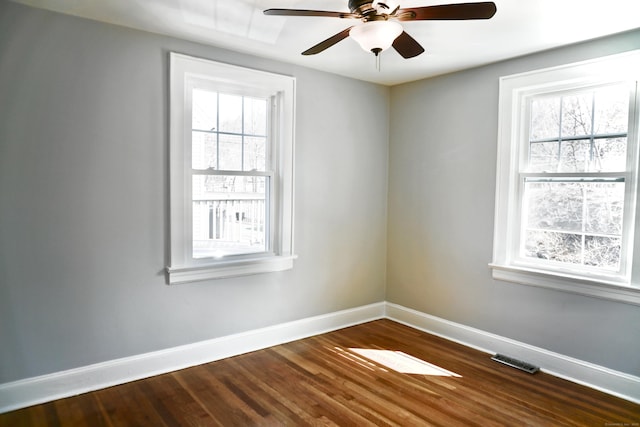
(380, 29)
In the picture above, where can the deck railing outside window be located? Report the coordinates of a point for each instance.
(228, 226)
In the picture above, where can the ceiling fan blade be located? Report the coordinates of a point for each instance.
(328, 42)
(407, 46)
(303, 12)
(482, 10)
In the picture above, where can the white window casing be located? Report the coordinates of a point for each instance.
(187, 73)
(516, 92)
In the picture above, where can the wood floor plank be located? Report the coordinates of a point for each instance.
(127, 405)
(280, 407)
(173, 402)
(40, 415)
(80, 411)
(329, 380)
(223, 405)
(301, 390)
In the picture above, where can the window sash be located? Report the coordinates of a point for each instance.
(242, 133)
(269, 222)
(260, 207)
(521, 228)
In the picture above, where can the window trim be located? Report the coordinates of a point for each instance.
(184, 71)
(514, 90)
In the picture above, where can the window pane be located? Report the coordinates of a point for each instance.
(203, 150)
(229, 215)
(230, 152)
(553, 246)
(554, 206)
(603, 252)
(610, 155)
(604, 207)
(545, 118)
(255, 153)
(595, 251)
(230, 113)
(204, 110)
(575, 156)
(576, 114)
(543, 157)
(255, 116)
(611, 110)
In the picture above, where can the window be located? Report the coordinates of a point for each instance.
(567, 178)
(229, 174)
(231, 170)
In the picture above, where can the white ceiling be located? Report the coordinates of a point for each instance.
(519, 27)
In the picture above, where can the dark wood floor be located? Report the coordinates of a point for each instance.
(325, 380)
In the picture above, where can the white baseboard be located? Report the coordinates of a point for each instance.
(45, 388)
(607, 380)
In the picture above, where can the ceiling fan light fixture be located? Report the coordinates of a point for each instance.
(376, 36)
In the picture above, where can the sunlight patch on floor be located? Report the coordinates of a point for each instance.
(404, 363)
(356, 359)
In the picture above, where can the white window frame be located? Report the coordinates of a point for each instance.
(187, 72)
(515, 92)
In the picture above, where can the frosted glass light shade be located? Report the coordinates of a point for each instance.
(376, 36)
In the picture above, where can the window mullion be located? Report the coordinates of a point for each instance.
(560, 134)
(592, 141)
(216, 172)
(242, 137)
(580, 137)
(217, 130)
(577, 176)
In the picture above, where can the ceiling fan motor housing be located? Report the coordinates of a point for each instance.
(363, 7)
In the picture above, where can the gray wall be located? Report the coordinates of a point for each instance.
(84, 199)
(442, 165)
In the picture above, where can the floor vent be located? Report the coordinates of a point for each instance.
(515, 363)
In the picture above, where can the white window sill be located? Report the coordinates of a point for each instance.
(596, 288)
(232, 268)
